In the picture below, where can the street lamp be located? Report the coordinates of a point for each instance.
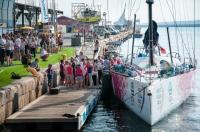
(104, 14)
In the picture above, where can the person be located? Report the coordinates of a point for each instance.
(22, 47)
(9, 50)
(79, 76)
(106, 64)
(100, 69)
(89, 68)
(33, 47)
(44, 55)
(35, 64)
(60, 41)
(17, 47)
(95, 72)
(62, 74)
(73, 66)
(68, 74)
(96, 48)
(2, 48)
(84, 69)
(49, 72)
(155, 37)
(26, 42)
(32, 71)
(81, 56)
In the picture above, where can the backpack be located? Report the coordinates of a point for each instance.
(15, 76)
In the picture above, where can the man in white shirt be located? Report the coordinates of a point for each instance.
(17, 47)
(9, 50)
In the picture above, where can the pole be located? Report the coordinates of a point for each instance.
(150, 2)
(194, 33)
(54, 24)
(133, 42)
(170, 49)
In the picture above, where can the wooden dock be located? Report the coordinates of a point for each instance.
(67, 110)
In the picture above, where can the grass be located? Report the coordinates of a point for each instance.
(5, 77)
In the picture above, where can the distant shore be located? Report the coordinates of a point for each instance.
(176, 24)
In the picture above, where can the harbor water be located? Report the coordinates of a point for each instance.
(112, 116)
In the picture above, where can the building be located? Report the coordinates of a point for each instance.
(18, 13)
(6, 15)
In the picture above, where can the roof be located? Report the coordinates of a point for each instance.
(63, 20)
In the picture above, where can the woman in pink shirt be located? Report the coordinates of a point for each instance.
(79, 76)
(68, 74)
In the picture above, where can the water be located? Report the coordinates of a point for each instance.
(113, 116)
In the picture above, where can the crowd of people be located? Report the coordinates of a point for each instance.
(81, 70)
(78, 70)
(15, 46)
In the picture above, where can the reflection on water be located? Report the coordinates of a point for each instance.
(112, 116)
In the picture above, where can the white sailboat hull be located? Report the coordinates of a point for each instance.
(166, 94)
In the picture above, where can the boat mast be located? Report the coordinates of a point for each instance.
(133, 42)
(194, 33)
(150, 2)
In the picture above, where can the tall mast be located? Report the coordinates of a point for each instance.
(150, 2)
(133, 42)
(194, 33)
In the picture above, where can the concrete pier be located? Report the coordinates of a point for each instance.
(70, 108)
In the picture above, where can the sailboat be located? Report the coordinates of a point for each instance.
(152, 86)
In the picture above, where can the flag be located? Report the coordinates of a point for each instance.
(162, 50)
(44, 11)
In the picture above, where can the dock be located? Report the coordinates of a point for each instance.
(67, 110)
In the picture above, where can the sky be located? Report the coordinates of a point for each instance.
(163, 10)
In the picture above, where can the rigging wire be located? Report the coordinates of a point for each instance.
(138, 7)
(176, 32)
(186, 29)
(132, 7)
(162, 13)
(183, 42)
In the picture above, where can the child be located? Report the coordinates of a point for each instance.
(68, 73)
(49, 72)
(79, 76)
